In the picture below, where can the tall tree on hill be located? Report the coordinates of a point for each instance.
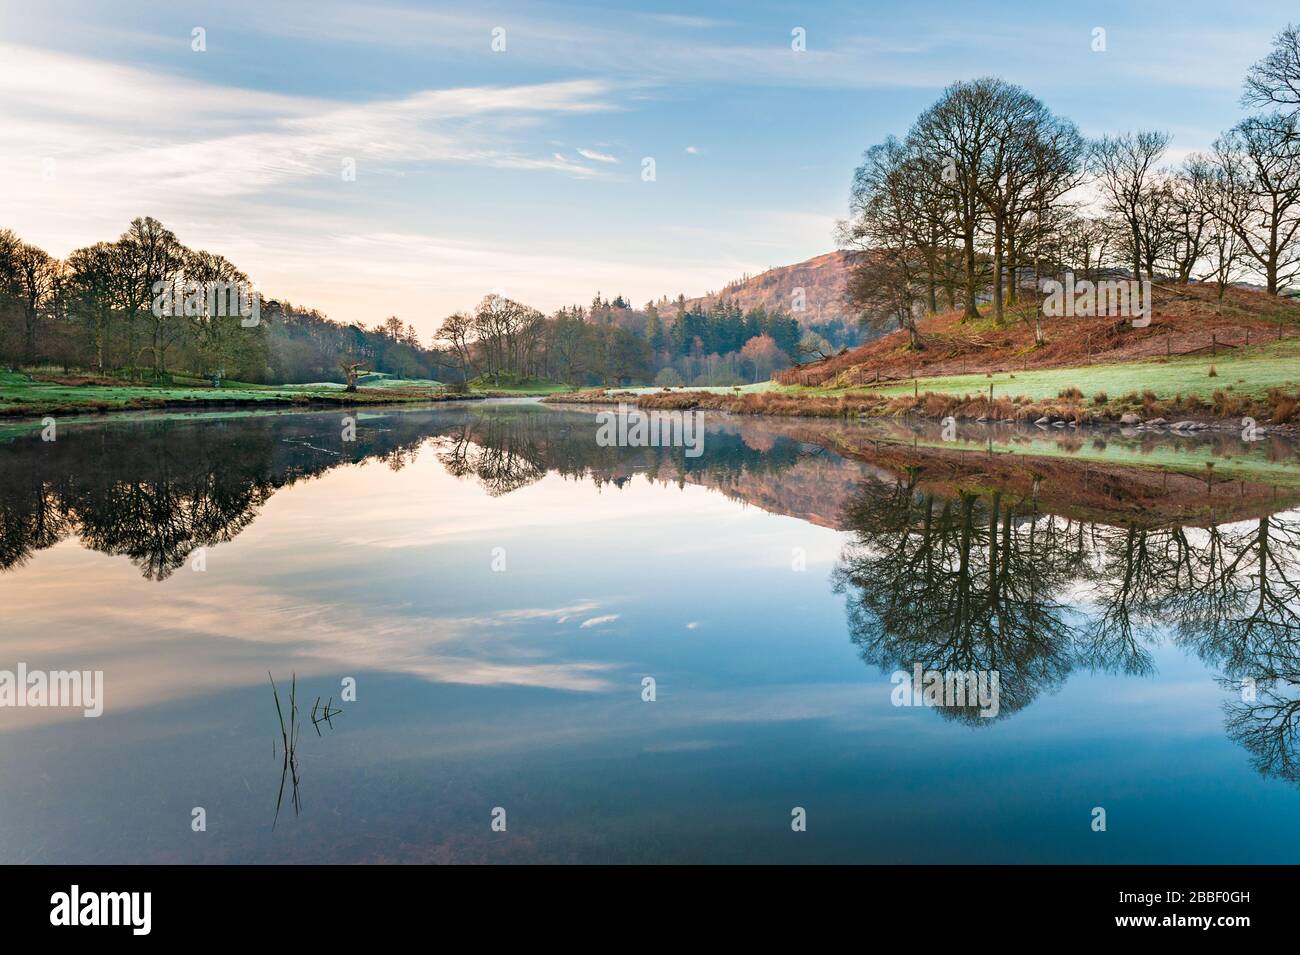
(1188, 210)
(1260, 162)
(1125, 167)
(956, 134)
(883, 229)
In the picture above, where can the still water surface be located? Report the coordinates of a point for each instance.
(499, 586)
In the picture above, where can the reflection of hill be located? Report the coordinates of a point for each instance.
(810, 470)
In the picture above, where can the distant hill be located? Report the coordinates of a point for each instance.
(823, 279)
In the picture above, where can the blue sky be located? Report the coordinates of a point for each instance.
(520, 170)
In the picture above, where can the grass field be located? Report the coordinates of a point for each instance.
(1249, 373)
(20, 396)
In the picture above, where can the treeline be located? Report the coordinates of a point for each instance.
(612, 343)
(102, 310)
(989, 192)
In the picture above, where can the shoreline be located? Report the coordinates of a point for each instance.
(1162, 417)
(94, 405)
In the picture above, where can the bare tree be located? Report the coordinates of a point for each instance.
(889, 269)
(1275, 80)
(35, 274)
(1222, 251)
(956, 134)
(1260, 160)
(458, 331)
(351, 370)
(1125, 167)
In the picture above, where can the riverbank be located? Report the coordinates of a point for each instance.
(1201, 361)
(1186, 412)
(23, 395)
(1261, 382)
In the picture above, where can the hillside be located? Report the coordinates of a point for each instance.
(1186, 320)
(823, 279)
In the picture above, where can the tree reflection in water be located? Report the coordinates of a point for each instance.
(975, 580)
(956, 561)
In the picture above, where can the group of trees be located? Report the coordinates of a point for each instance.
(103, 309)
(611, 343)
(989, 192)
(98, 310)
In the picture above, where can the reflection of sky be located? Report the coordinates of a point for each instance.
(523, 689)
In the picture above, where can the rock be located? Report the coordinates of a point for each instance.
(1183, 425)
(1043, 421)
(1157, 423)
(1130, 419)
(982, 418)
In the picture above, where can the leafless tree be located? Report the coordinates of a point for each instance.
(1275, 80)
(1125, 167)
(1260, 162)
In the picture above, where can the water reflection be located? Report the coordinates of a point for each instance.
(959, 560)
(978, 580)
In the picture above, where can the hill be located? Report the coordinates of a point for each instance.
(822, 278)
(1186, 320)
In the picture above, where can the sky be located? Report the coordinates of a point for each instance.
(408, 158)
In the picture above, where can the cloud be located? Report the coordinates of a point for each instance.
(595, 156)
(599, 621)
(119, 148)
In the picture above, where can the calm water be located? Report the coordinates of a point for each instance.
(499, 586)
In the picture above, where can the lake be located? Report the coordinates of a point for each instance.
(509, 642)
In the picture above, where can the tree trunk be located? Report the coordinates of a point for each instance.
(971, 310)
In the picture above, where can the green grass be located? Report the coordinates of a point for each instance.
(525, 388)
(1249, 373)
(18, 396)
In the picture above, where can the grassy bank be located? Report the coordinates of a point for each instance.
(1261, 381)
(38, 395)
